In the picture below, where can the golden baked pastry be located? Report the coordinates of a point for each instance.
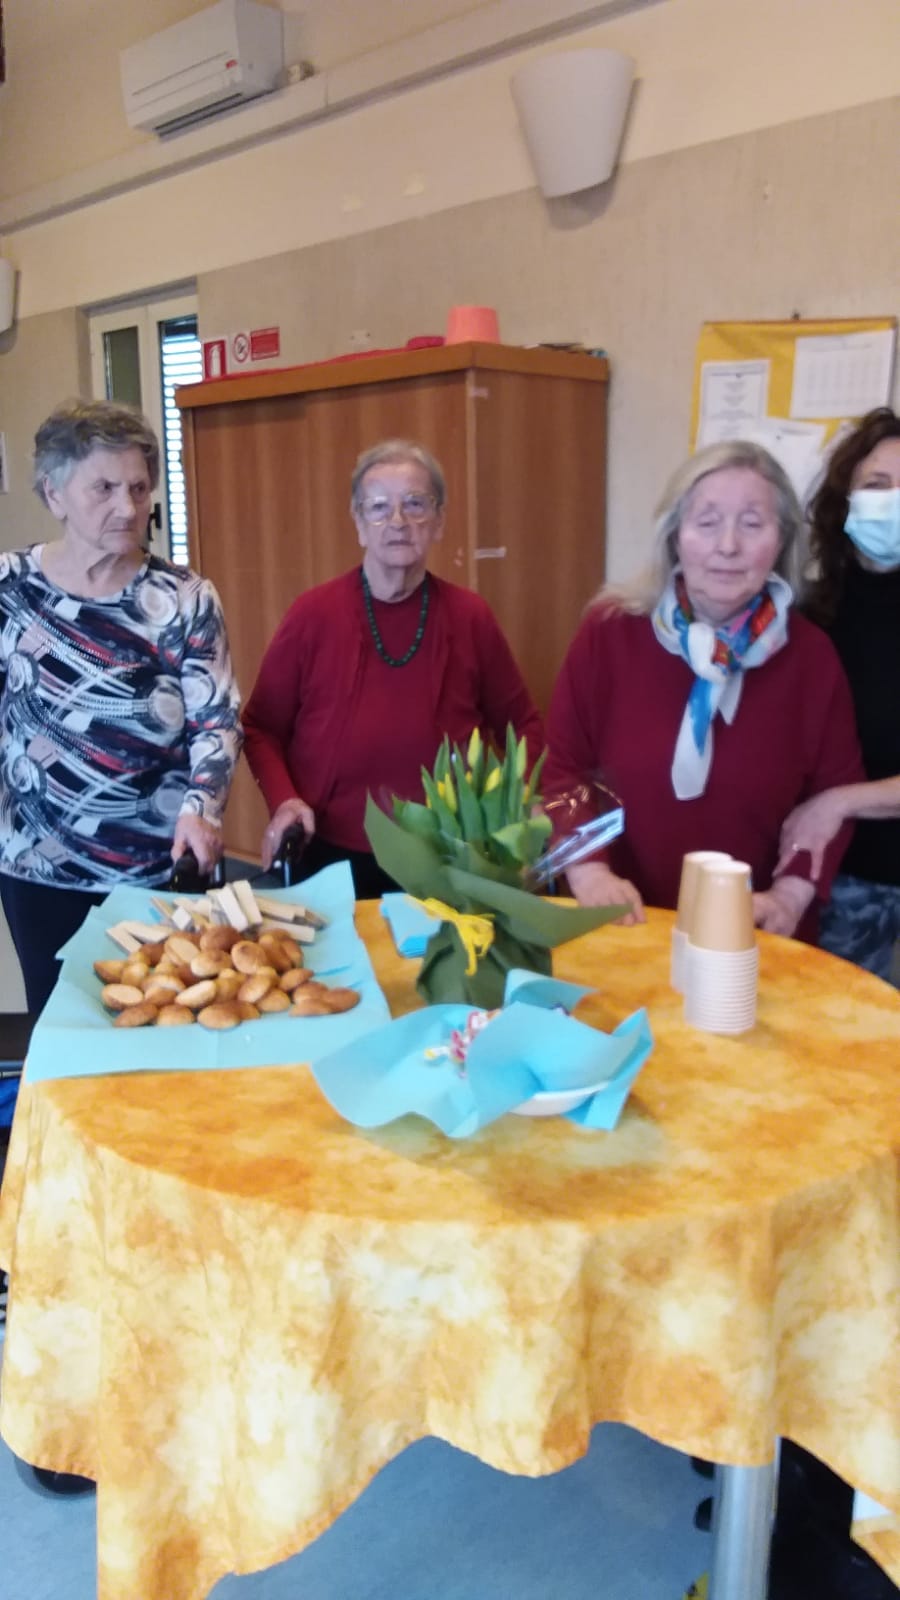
(248, 957)
(342, 999)
(182, 947)
(139, 1016)
(256, 986)
(274, 1000)
(218, 938)
(116, 996)
(276, 950)
(308, 1003)
(216, 977)
(293, 978)
(162, 991)
(174, 1016)
(220, 1015)
(197, 995)
(209, 963)
(109, 971)
(228, 983)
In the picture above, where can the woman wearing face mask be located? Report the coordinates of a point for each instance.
(856, 539)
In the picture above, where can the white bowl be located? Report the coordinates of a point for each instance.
(555, 1102)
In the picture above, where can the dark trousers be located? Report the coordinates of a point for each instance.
(41, 919)
(813, 1556)
(370, 882)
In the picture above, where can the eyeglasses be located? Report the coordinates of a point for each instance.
(413, 508)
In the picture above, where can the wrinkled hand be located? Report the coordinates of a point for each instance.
(811, 826)
(289, 812)
(780, 909)
(593, 884)
(195, 833)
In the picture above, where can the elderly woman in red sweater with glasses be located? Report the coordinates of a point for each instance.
(367, 673)
(702, 698)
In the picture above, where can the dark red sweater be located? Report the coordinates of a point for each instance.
(615, 715)
(328, 720)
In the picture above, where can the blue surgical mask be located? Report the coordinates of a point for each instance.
(873, 523)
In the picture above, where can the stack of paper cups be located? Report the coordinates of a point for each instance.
(722, 959)
(687, 894)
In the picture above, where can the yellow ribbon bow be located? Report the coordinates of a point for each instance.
(476, 934)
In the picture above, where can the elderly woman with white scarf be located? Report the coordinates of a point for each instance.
(704, 701)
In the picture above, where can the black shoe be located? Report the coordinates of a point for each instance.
(68, 1483)
(703, 1515)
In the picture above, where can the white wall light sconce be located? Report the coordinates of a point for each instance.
(572, 106)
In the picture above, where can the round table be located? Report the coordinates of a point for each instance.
(231, 1308)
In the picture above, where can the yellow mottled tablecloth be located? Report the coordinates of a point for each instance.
(231, 1308)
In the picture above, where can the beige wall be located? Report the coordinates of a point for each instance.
(786, 219)
(42, 360)
(53, 44)
(783, 220)
(708, 70)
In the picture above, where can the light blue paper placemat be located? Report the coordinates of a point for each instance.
(75, 1036)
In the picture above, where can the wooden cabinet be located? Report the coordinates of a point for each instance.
(521, 435)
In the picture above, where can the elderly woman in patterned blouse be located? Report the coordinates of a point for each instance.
(118, 707)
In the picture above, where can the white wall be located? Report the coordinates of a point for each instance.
(708, 69)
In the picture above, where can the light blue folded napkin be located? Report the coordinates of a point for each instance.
(75, 1036)
(410, 926)
(529, 1048)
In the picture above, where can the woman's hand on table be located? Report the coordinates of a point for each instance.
(202, 837)
(781, 908)
(593, 884)
(288, 813)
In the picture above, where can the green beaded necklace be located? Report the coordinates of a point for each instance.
(389, 660)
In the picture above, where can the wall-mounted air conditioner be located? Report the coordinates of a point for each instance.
(229, 53)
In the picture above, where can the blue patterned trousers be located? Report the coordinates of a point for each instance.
(861, 922)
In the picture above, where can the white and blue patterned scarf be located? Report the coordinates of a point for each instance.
(719, 658)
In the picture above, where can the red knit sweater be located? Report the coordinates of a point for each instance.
(328, 720)
(615, 715)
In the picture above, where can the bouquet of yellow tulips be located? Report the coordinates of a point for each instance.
(468, 853)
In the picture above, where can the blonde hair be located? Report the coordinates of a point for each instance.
(641, 594)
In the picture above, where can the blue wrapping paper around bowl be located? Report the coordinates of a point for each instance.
(529, 1048)
(75, 1037)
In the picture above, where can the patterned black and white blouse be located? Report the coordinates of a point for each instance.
(116, 715)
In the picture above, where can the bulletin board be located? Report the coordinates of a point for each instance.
(791, 386)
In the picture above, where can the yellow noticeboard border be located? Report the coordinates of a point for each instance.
(776, 343)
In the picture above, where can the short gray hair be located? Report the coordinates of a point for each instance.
(642, 593)
(400, 451)
(78, 427)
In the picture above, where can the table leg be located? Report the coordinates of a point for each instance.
(742, 1532)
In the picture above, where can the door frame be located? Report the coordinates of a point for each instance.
(144, 312)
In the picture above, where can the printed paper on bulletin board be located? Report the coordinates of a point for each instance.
(790, 386)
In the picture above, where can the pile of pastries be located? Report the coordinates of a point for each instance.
(218, 976)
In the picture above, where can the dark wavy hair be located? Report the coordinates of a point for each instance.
(831, 550)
